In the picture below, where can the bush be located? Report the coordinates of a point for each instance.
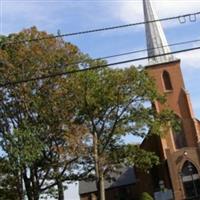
(146, 196)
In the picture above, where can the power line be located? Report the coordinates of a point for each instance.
(181, 18)
(144, 50)
(93, 68)
(120, 54)
(125, 53)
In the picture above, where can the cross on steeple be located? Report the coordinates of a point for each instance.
(155, 37)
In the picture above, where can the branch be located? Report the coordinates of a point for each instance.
(116, 121)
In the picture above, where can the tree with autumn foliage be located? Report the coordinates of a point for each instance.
(63, 127)
(42, 143)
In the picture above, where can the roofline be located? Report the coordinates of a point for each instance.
(111, 188)
(162, 63)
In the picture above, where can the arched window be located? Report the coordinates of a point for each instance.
(179, 135)
(191, 180)
(167, 81)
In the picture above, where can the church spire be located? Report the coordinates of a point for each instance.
(156, 40)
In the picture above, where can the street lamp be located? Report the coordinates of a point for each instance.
(185, 153)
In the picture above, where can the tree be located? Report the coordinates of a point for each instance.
(77, 121)
(9, 187)
(42, 142)
(19, 149)
(114, 103)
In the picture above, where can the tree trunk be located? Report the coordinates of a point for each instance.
(99, 173)
(27, 186)
(101, 188)
(34, 184)
(20, 186)
(31, 186)
(60, 190)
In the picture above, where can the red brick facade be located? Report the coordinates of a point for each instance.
(173, 149)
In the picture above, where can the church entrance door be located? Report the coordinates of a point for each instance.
(191, 181)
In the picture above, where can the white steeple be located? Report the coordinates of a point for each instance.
(156, 40)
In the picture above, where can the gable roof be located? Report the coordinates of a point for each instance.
(125, 177)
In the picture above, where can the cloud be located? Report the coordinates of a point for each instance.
(53, 14)
(132, 11)
(191, 59)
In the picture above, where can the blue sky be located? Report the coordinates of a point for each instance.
(71, 16)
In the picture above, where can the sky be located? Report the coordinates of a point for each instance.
(77, 15)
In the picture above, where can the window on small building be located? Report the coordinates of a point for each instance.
(167, 81)
(191, 180)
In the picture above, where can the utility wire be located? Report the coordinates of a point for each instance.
(144, 50)
(124, 54)
(181, 18)
(92, 68)
(118, 55)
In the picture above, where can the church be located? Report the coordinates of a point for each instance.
(179, 153)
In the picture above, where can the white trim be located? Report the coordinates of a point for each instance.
(190, 178)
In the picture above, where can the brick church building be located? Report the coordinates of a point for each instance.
(179, 153)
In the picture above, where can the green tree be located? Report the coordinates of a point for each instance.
(41, 141)
(114, 103)
(23, 147)
(9, 184)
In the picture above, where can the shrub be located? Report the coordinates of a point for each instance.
(146, 196)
